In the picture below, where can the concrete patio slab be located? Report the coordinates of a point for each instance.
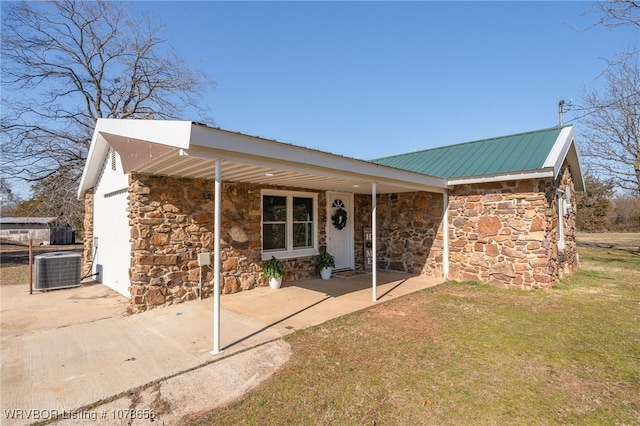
(75, 350)
(305, 303)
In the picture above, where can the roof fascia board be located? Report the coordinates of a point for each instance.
(264, 148)
(559, 150)
(544, 173)
(268, 149)
(338, 167)
(93, 166)
(206, 142)
(565, 148)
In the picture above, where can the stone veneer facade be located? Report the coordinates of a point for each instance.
(505, 233)
(499, 233)
(407, 226)
(171, 221)
(87, 227)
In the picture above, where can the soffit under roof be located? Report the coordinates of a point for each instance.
(185, 149)
(248, 159)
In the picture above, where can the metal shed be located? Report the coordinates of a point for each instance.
(42, 230)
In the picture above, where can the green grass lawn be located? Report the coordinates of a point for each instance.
(464, 353)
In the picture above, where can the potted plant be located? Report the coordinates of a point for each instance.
(273, 269)
(325, 263)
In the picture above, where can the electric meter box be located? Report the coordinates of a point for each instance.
(204, 259)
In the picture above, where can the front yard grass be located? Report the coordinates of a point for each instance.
(464, 353)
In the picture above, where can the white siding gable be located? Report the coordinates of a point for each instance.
(111, 231)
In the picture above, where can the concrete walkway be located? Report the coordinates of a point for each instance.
(75, 354)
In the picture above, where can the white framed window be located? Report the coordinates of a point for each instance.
(289, 224)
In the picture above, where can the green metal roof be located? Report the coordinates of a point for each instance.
(506, 154)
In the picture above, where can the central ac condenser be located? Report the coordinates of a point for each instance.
(57, 270)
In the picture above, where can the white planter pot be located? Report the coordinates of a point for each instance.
(275, 283)
(325, 273)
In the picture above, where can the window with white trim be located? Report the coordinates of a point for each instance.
(289, 224)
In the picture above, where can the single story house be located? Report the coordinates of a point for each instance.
(158, 193)
(41, 230)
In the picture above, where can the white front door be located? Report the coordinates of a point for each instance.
(340, 228)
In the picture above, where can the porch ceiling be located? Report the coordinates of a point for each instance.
(182, 163)
(192, 152)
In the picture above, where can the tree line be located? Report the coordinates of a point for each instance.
(65, 64)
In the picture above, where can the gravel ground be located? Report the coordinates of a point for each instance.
(14, 260)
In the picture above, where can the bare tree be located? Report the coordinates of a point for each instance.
(593, 205)
(8, 199)
(624, 215)
(65, 64)
(611, 143)
(618, 13)
(54, 196)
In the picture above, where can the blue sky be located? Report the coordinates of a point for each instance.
(370, 79)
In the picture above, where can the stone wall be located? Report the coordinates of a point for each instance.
(407, 225)
(171, 222)
(500, 233)
(87, 228)
(504, 233)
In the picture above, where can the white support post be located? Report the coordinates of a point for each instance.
(374, 246)
(445, 236)
(216, 259)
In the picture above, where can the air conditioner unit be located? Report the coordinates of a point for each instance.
(57, 270)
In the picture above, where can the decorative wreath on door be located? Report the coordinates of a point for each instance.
(339, 218)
